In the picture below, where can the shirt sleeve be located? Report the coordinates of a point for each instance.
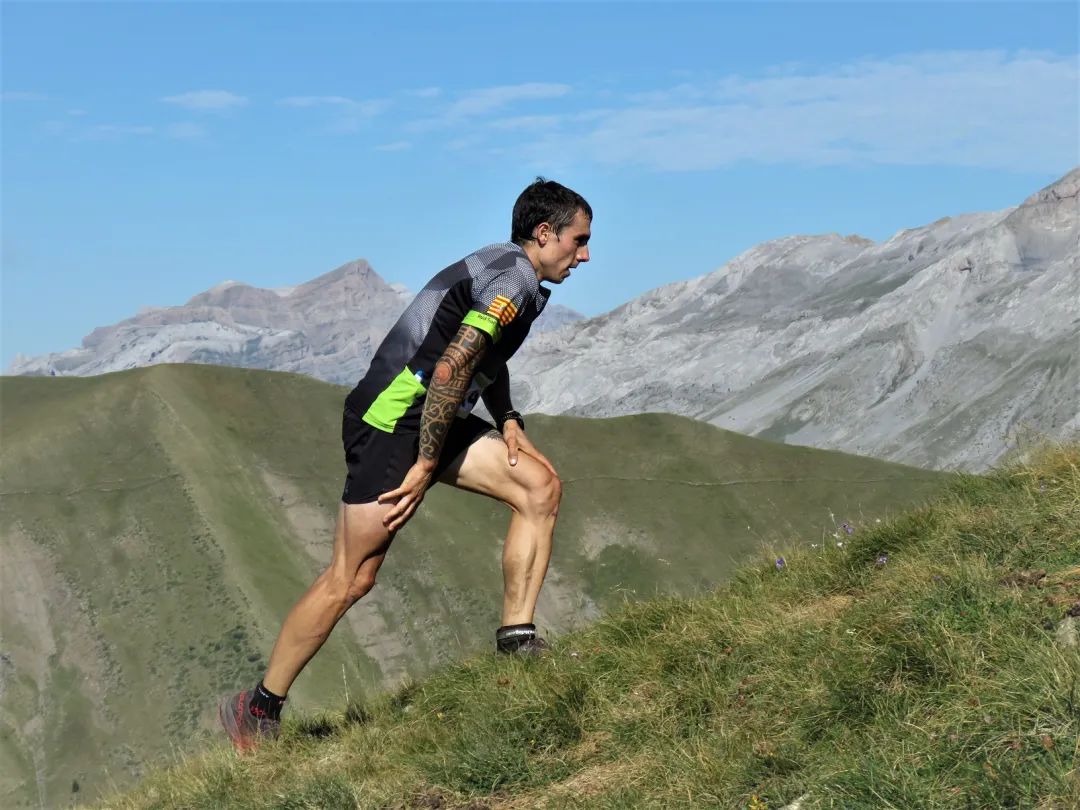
(498, 302)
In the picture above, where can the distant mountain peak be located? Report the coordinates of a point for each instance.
(1066, 188)
(328, 327)
(857, 239)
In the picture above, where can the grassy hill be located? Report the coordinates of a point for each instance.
(157, 525)
(931, 661)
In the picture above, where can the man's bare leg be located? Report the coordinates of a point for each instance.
(533, 495)
(360, 545)
(526, 554)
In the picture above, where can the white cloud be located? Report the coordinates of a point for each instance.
(526, 122)
(361, 108)
(426, 92)
(207, 100)
(352, 114)
(77, 131)
(14, 95)
(465, 142)
(315, 101)
(966, 108)
(115, 131)
(56, 127)
(488, 99)
(185, 131)
(396, 146)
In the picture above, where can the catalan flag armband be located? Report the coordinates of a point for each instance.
(502, 309)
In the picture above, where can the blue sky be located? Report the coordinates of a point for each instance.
(153, 150)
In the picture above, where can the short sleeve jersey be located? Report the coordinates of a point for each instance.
(494, 289)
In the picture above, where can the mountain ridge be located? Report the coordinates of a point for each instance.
(327, 327)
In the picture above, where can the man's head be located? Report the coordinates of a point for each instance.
(552, 224)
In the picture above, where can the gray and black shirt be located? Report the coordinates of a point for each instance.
(494, 289)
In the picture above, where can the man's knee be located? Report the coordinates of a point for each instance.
(543, 495)
(361, 585)
(346, 591)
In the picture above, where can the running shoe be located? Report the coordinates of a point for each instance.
(246, 730)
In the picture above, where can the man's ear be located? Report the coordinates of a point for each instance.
(543, 233)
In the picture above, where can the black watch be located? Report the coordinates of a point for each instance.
(506, 417)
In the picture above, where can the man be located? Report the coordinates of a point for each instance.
(407, 424)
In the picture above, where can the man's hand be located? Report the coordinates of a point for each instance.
(516, 439)
(408, 495)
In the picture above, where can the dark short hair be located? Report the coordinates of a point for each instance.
(545, 201)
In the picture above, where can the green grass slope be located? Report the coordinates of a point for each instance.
(932, 661)
(157, 525)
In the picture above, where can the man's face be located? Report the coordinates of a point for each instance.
(562, 252)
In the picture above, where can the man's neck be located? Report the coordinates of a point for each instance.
(532, 251)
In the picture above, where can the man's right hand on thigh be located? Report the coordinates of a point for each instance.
(407, 497)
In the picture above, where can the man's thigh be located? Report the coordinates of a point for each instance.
(484, 467)
(359, 536)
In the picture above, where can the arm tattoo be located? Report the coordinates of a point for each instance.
(450, 380)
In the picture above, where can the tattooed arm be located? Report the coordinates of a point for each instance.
(451, 378)
(449, 381)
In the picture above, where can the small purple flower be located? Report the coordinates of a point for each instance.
(780, 563)
(882, 558)
(847, 528)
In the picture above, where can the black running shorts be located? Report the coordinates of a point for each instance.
(378, 461)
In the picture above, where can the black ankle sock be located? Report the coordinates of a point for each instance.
(265, 703)
(510, 636)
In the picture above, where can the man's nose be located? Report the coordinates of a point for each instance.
(583, 254)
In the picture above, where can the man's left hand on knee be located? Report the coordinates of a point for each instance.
(516, 440)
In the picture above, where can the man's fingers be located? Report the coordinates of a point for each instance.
(548, 464)
(512, 449)
(406, 516)
(391, 516)
(530, 448)
(404, 498)
(386, 497)
(540, 457)
(407, 496)
(397, 516)
(397, 524)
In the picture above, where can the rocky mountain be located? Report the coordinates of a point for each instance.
(327, 328)
(941, 347)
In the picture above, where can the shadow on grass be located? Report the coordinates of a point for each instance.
(315, 727)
